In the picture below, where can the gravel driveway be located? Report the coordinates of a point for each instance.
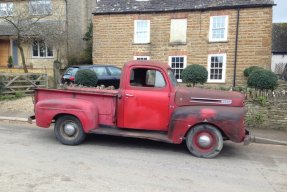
(23, 105)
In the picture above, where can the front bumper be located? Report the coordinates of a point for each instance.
(247, 138)
(31, 119)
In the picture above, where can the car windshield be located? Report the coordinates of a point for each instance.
(172, 77)
(72, 71)
(115, 71)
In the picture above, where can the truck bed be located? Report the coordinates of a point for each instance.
(105, 101)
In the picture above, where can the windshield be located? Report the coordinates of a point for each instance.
(172, 77)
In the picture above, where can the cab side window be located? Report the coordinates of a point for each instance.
(141, 77)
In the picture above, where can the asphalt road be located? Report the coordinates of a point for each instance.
(32, 160)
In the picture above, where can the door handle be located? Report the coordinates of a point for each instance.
(129, 95)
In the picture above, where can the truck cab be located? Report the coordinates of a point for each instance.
(149, 104)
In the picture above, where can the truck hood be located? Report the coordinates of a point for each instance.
(196, 96)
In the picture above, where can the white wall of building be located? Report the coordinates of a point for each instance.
(278, 62)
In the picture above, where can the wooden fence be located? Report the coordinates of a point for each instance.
(25, 83)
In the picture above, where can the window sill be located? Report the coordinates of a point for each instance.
(177, 44)
(215, 82)
(43, 58)
(218, 41)
(141, 43)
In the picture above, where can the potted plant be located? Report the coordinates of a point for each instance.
(10, 62)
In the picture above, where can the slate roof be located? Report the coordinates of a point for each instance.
(279, 38)
(7, 30)
(136, 6)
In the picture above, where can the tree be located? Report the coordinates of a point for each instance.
(26, 19)
(194, 74)
(89, 44)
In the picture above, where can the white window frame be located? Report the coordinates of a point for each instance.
(223, 68)
(6, 8)
(142, 58)
(136, 38)
(46, 51)
(184, 63)
(34, 4)
(211, 39)
(174, 29)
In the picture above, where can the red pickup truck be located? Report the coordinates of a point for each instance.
(149, 104)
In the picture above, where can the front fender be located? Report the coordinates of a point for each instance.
(230, 120)
(85, 111)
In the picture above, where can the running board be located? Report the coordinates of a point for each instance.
(150, 135)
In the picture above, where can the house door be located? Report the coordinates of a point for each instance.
(146, 100)
(4, 52)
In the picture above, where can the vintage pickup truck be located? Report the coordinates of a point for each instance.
(149, 104)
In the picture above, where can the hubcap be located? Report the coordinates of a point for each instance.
(70, 129)
(204, 141)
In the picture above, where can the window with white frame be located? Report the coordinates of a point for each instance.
(6, 9)
(142, 58)
(178, 28)
(142, 31)
(216, 68)
(41, 50)
(177, 63)
(40, 7)
(218, 28)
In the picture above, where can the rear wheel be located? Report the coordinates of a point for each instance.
(204, 141)
(69, 131)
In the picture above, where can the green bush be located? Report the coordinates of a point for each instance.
(262, 80)
(255, 119)
(249, 70)
(1, 85)
(86, 77)
(194, 74)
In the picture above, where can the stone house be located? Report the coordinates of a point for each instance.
(279, 47)
(225, 36)
(69, 17)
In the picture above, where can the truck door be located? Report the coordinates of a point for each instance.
(146, 100)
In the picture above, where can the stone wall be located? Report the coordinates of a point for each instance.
(269, 115)
(113, 39)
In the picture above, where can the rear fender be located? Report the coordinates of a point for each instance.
(229, 120)
(47, 110)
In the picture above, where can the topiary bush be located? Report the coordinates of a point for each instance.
(86, 77)
(249, 70)
(262, 80)
(194, 74)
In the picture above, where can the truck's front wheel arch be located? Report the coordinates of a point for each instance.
(204, 140)
(69, 130)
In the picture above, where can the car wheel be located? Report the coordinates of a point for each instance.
(204, 141)
(69, 131)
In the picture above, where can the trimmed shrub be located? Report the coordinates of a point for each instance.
(262, 80)
(86, 77)
(194, 74)
(249, 70)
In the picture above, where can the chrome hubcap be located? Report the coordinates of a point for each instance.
(70, 129)
(204, 141)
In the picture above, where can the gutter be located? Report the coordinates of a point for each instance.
(236, 47)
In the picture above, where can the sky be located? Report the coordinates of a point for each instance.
(280, 11)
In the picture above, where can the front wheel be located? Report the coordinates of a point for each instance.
(204, 141)
(69, 131)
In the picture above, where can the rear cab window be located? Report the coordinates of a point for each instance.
(142, 77)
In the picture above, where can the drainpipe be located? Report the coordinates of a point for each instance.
(236, 47)
(67, 33)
